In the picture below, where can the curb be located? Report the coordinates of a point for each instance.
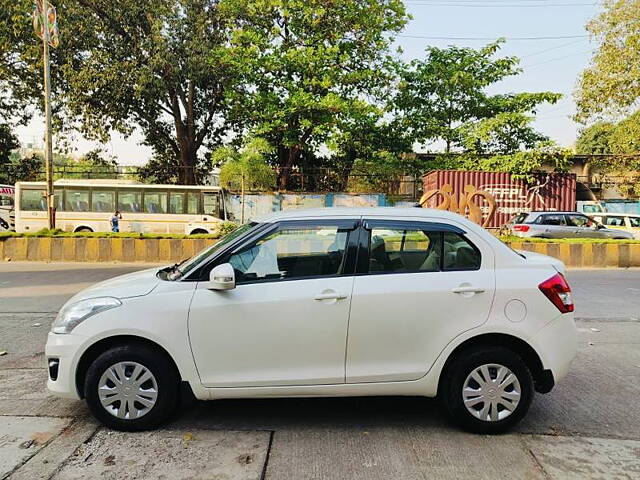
(159, 250)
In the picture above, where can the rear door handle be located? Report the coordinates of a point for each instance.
(469, 289)
(330, 296)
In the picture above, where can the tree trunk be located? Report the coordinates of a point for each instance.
(187, 173)
(288, 158)
(242, 200)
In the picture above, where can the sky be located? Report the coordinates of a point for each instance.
(550, 63)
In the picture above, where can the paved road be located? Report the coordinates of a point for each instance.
(588, 427)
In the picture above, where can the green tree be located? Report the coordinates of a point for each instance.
(309, 64)
(625, 138)
(596, 139)
(246, 168)
(610, 86)
(506, 133)
(441, 96)
(160, 66)
(8, 143)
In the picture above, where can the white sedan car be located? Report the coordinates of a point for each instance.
(332, 302)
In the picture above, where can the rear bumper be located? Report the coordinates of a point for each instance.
(557, 344)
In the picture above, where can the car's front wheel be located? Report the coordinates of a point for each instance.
(487, 389)
(132, 387)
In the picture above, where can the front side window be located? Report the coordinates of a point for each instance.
(76, 200)
(581, 221)
(402, 251)
(130, 201)
(33, 200)
(634, 222)
(155, 202)
(292, 253)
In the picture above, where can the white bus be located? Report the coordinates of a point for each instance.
(88, 205)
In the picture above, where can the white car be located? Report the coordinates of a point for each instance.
(331, 302)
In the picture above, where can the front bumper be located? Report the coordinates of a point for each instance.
(557, 344)
(65, 350)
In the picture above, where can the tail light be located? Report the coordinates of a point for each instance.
(521, 228)
(558, 291)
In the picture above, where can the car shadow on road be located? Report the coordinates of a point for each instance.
(274, 414)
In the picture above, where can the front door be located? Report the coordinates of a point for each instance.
(420, 286)
(286, 321)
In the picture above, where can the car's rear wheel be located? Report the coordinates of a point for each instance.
(487, 389)
(132, 387)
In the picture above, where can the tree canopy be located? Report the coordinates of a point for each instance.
(444, 97)
(610, 86)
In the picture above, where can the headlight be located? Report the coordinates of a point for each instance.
(73, 314)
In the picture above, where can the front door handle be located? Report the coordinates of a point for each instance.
(330, 296)
(467, 289)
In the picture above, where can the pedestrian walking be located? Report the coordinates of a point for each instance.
(115, 222)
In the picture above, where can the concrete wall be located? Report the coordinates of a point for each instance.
(578, 255)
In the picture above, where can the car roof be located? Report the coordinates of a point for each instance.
(617, 214)
(359, 212)
(552, 212)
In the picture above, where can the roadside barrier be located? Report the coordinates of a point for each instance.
(162, 250)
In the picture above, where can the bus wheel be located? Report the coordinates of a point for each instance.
(198, 231)
(84, 229)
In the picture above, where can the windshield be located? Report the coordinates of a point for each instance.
(186, 266)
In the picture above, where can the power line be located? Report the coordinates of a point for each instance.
(560, 37)
(557, 58)
(501, 5)
(551, 48)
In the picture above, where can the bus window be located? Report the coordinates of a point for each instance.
(211, 203)
(192, 203)
(58, 199)
(33, 200)
(176, 202)
(6, 201)
(155, 202)
(76, 200)
(130, 201)
(103, 200)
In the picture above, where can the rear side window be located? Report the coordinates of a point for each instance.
(551, 220)
(634, 221)
(402, 251)
(520, 218)
(414, 250)
(459, 253)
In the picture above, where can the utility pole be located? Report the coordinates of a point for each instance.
(48, 148)
(46, 27)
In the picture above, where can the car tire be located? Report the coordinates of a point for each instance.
(492, 416)
(84, 230)
(150, 385)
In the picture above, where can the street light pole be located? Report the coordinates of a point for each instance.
(48, 149)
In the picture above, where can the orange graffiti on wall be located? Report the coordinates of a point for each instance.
(465, 203)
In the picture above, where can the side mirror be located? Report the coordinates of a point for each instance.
(222, 277)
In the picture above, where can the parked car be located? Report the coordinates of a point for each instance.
(330, 302)
(620, 221)
(561, 225)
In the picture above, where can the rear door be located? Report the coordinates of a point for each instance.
(418, 286)
(554, 225)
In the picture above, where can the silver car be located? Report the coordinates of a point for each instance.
(562, 225)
